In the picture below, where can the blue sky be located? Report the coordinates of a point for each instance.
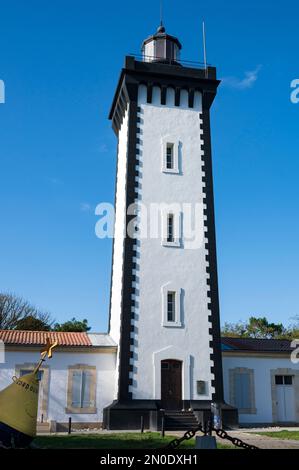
(60, 61)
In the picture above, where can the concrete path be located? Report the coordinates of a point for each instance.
(250, 436)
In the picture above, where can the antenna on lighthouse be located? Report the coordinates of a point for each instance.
(161, 12)
(204, 48)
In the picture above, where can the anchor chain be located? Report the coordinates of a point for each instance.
(219, 432)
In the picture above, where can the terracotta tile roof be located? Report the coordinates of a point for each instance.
(40, 338)
(256, 345)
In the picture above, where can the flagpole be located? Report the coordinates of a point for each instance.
(204, 47)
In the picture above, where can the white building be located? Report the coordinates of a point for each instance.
(78, 382)
(261, 378)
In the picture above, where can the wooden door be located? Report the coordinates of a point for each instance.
(171, 384)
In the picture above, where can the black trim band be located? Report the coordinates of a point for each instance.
(127, 289)
(211, 257)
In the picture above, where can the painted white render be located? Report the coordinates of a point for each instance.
(262, 367)
(158, 265)
(119, 236)
(58, 380)
(119, 230)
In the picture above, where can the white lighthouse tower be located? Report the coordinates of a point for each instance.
(164, 308)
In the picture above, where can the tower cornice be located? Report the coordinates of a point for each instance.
(136, 72)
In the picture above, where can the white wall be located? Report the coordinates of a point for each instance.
(118, 242)
(105, 364)
(119, 230)
(158, 265)
(58, 377)
(262, 382)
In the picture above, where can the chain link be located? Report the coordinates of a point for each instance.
(219, 432)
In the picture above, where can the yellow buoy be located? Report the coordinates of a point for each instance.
(19, 404)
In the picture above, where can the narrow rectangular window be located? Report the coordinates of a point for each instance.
(81, 389)
(76, 392)
(171, 306)
(242, 391)
(279, 379)
(160, 49)
(169, 157)
(288, 380)
(86, 386)
(170, 228)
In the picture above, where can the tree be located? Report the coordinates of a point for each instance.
(260, 327)
(32, 324)
(73, 325)
(234, 330)
(13, 309)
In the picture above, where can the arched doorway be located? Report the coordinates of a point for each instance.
(171, 384)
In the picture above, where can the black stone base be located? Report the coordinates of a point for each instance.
(129, 415)
(11, 438)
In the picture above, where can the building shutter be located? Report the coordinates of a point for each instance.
(86, 388)
(76, 392)
(242, 391)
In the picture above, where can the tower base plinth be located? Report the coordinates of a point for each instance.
(131, 415)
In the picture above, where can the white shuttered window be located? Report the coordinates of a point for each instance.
(81, 389)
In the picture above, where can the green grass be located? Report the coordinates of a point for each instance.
(283, 434)
(147, 440)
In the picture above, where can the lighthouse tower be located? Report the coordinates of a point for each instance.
(164, 307)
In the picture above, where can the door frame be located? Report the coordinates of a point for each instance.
(180, 385)
(285, 371)
(179, 355)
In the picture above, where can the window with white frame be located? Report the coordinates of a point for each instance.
(171, 305)
(81, 389)
(170, 155)
(171, 227)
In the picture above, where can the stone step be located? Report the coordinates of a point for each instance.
(43, 427)
(180, 420)
(180, 427)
